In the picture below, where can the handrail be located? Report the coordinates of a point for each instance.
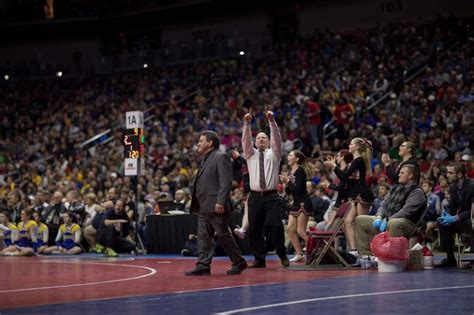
(16, 179)
(333, 131)
(414, 75)
(379, 100)
(371, 97)
(94, 138)
(326, 126)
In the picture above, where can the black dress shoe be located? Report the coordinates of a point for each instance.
(258, 264)
(237, 269)
(446, 263)
(285, 262)
(198, 272)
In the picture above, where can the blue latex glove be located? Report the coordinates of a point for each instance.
(383, 225)
(447, 219)
(377, 222)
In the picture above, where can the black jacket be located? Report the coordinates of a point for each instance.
(462, 199)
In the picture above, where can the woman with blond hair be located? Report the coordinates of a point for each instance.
(359, 191)
(302, 208)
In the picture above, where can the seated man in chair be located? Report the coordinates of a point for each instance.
(461, 208)
(399, 214)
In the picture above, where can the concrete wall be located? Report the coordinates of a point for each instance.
(253, 26)
(54, 53)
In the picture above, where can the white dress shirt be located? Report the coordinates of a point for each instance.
(272, 158)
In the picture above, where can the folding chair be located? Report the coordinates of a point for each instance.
(464, 241)
(413, 238)
(461, 241)
(327, 238)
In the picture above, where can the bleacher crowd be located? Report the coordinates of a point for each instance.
(307, 83)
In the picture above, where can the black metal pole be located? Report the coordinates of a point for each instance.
(138, 240)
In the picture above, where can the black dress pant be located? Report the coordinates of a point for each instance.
(53, 231)
(265, 215)
(208, 224)
(447, 235)
(108, 236)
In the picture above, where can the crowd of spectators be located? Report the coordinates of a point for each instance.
(306, 82)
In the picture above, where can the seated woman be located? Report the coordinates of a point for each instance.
(68, 238)
(43, 233)
(26, 238)
(8, 230)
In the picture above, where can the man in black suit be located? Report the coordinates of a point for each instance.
(211, 200)
(461, 207)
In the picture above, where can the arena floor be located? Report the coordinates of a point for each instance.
(92, 284)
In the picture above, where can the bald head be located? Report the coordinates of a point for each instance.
(262, 141)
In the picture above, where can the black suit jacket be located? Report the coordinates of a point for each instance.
(213, 184)
(462, 199)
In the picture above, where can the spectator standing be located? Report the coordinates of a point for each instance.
(264, 203)
(359, 191)
(407, 153)
(314, 119)
(301, 208)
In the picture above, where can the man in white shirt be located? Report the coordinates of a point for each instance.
(264, 203)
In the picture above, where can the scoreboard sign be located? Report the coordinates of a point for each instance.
(133, 144)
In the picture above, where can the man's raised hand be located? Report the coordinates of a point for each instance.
(248, 117)
(269, 114)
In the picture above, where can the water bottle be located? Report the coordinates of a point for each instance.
(428, 259)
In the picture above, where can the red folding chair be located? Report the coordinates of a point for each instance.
(323, 241)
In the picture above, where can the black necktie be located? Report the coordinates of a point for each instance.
(261, 169)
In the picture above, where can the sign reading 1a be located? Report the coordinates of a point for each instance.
(134, 120)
